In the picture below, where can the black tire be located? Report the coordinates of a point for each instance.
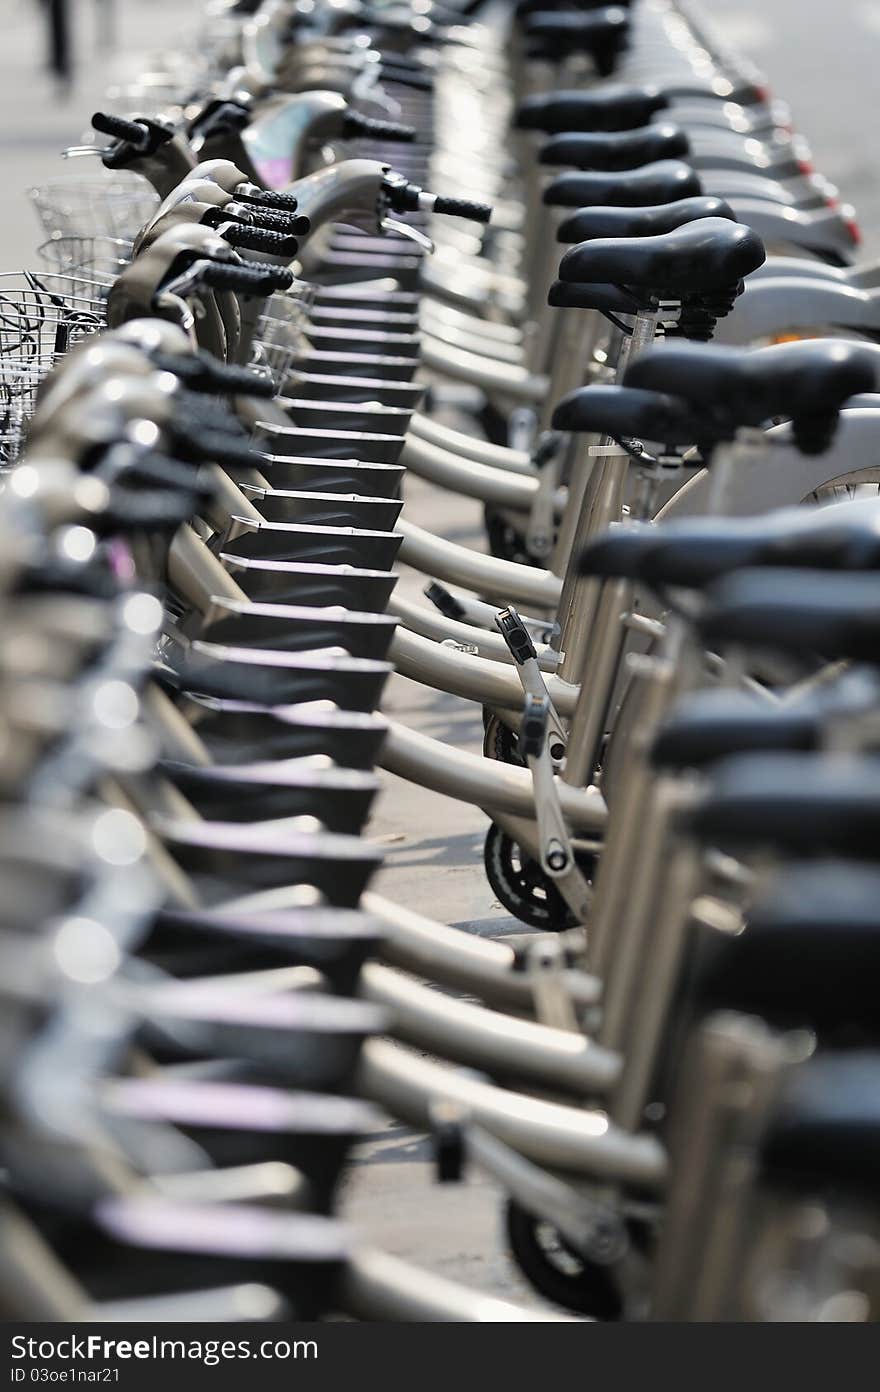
(520, 884)
(558, 1273)
(499, 742)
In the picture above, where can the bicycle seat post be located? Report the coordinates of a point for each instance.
(603, 504)
(747, 447)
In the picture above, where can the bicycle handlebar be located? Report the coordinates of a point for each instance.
(261, 239)
(292, 224)
(200, 372)
(215, 446)
(463, 208)
(354, 124)
(149, 510)
(405, 197)
(266, 198)
(134, 132)
(246, 277)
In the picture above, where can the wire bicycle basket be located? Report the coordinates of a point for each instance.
(116, 204)
(280, 337)
(89, 263)
(41, 319)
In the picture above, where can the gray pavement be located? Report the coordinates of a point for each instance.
(37, 121)
(823, 60)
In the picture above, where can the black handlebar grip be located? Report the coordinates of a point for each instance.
(355, 124)
(200, 414)
(160, 471)
(149, 510)
(463, 208)
(246, 277)
(202, 374)
(406, 77)
(135, 132)
(214, 446)
(266, 198)
(261, 239)
(291, 224)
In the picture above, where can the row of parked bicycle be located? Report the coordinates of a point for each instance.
(656, 371)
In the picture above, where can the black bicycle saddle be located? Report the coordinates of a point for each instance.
(700, 257)
(664, 181)
(612, 106)
(295, 627)
(808, 382)
(326, 545)
(306, 1039)
(602, 33)
(706, 726)
(709, 725)
(695, 551)
(615, 151)
(623, 413)
(796, 611)
(810, 898)
(615, 299)
(825, 1132)
(651, 221)
(797, 803)
(821, 975)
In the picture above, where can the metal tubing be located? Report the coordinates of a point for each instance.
(196, 574)
(474, 480)
(601, 666)
(569, 1139)
(487, 575)
(381, 1288)
(458, 444)
(430, 623)
(498, 379)
(788, 304)
(506, 1047)
(451, 957)
(34, 1284)
(484, 783)
(476, 678)
(579, 598)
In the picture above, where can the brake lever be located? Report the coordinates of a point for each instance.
(411, 234)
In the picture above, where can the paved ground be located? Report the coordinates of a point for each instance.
(37, 121)
(822, 59)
